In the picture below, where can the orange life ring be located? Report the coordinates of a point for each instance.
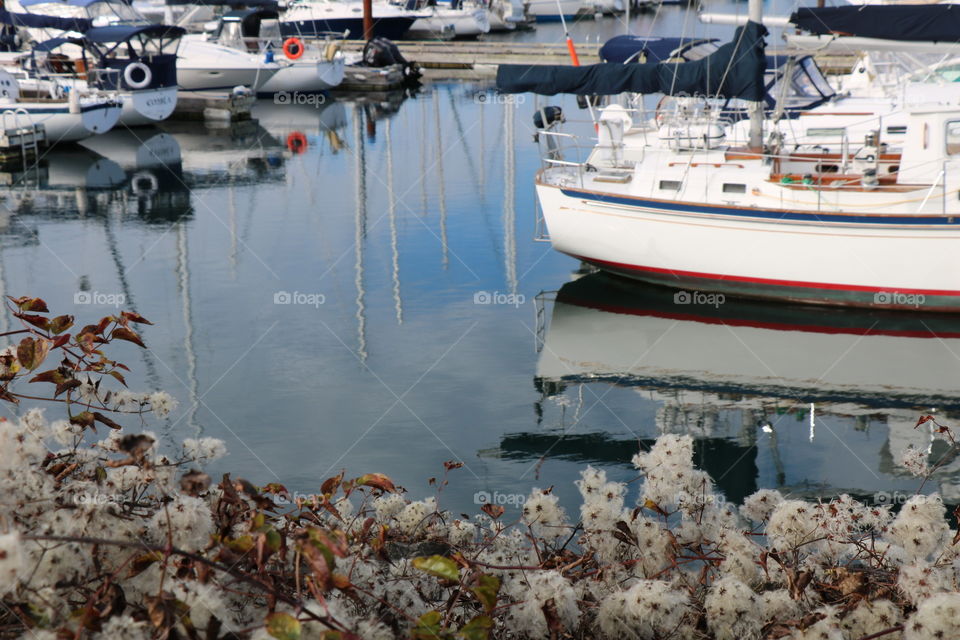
(293, 48)
(297, 142)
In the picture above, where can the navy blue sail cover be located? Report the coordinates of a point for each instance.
(735, 70)
(646, 48)
(928, 22)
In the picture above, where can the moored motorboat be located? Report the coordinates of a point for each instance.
(305, 66)
(312, 18)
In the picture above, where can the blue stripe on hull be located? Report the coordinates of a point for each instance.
(948, 220)
(555, 18)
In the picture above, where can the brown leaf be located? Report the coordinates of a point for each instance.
(132, 316)
(60, 324)
(377, 481)
(38, 321)
(331, 484)
(194, 482)
(32, 352)
(492, 510)
(123, 333)
(99, 417)
(27, 303)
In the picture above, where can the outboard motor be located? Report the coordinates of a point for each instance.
(547, 119)
(381, 52)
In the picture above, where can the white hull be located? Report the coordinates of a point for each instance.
(465, 23)
(148, 106)
(59, 123)
(205, 65)
(803, 261)
(307, 76)
(547, 10)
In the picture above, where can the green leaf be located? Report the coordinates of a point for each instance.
(477, 629)
(428, 626)
(283, 626)
(438, 566)
(486, 591)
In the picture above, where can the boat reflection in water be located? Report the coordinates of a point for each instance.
(78, 181)
(774, 394)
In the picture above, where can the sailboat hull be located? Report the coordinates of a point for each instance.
(894, 262)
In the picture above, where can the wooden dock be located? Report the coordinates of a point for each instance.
(480, 58)
(483, 55)
(213, 106)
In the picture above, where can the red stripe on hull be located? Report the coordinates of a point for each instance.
(621, 266)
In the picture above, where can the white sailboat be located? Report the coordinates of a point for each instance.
(680, 204)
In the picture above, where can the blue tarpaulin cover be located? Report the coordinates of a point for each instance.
(927, 22)
(735, 70)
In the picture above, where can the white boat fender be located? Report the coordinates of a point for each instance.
(144, 183)
(73, 100)
(129, 75)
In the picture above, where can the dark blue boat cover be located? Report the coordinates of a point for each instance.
(735, 70)
(35, 21)
(926, 22)
(646, 49)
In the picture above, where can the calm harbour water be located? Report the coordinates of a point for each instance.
(423, 323)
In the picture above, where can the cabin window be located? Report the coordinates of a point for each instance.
(730, 187)
(896, 130)
(953, 137)
(670, 185)
(825, 131)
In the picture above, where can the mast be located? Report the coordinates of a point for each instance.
(755, 13)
